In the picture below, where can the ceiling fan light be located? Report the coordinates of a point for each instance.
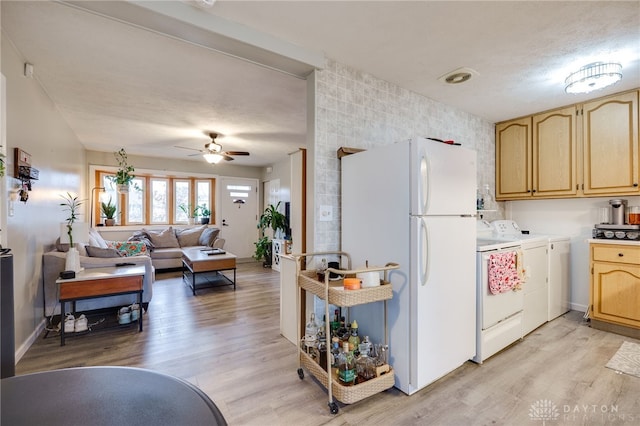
(212, 158)
(595, 76)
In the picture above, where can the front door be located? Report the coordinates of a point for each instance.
(238, 214)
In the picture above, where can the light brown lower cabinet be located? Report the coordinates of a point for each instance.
(615, 284)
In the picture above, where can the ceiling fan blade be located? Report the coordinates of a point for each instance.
(236, 153)
(191, 149)
(226, 157)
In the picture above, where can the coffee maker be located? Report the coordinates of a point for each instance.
(617, 228)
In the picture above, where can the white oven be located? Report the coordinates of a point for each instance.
(499, 316)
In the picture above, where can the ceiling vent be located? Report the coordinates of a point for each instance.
(458, 76)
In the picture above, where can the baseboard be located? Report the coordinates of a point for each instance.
(615, 328)
(24, 347)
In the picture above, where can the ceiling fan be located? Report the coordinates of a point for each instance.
(213, 152)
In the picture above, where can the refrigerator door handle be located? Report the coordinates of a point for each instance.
(424, 255)
(424, 183)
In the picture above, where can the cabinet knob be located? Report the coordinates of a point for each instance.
(635, 184)
(620, 254)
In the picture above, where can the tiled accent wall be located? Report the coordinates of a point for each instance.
(355, 109)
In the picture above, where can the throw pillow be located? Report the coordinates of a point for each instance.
(208, 236)
(63, 247)
(165, 238)
(96, 240)
(188, 237)
(102, 252)
(129, 248)
(143, 237)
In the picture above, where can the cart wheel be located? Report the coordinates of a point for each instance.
(333, 408)
(300, 373)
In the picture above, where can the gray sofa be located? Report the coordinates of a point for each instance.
(166, 244)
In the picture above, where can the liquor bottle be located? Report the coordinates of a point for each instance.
(335, 351)
(335, 323)
(354, 339)
(311, 328)
(365, 367)
(346, 366)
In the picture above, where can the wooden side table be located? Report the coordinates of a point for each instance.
(100, 282)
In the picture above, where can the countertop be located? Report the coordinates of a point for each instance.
(613, 241)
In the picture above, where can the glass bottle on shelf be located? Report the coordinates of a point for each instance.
(335, 351)
(346, 366)
(311, 329)
(354, 339)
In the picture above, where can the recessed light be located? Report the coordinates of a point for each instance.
(458, 76)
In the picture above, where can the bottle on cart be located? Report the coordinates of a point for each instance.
(335, 323)
(311, 328)
(335, 351)
(365, 366)
(322, 351)
(322, 269)
(346, 366)
(354, 339)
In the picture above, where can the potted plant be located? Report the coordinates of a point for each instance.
(124, 176)
(109, 211)
(71, 204)
(205, 214)
(270, 219)
(191, 214)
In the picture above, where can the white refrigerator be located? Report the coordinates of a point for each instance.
(413, 203)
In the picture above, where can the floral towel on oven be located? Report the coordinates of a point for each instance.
(503, 272)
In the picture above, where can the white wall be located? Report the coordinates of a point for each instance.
(356, 109)
(568, 217)
(36, 126)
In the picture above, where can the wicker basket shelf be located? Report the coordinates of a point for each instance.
(347, 394)
(335, 294)
(340, 297)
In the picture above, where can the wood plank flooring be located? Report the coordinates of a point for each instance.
(228, 344)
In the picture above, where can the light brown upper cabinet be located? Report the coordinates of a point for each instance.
(581, 150)
(610, 143)
(536, 156)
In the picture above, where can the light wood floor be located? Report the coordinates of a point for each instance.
(228, 344)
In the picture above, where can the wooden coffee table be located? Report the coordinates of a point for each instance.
(201, 269)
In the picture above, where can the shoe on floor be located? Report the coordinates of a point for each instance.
(135, 312)
(69, 323)
(81, 324)
(124, 315)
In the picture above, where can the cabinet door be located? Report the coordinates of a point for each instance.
(610, 141)
(554, 153)
(615, 293)
(513, 159)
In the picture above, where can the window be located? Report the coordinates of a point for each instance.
(160, 200)
(182, 201)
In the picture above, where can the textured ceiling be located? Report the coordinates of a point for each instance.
(159, 80)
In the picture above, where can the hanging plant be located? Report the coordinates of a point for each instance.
(124, 176)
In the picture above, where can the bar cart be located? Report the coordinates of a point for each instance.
(332, 292)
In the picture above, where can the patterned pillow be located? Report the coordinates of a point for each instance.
(129, 248)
